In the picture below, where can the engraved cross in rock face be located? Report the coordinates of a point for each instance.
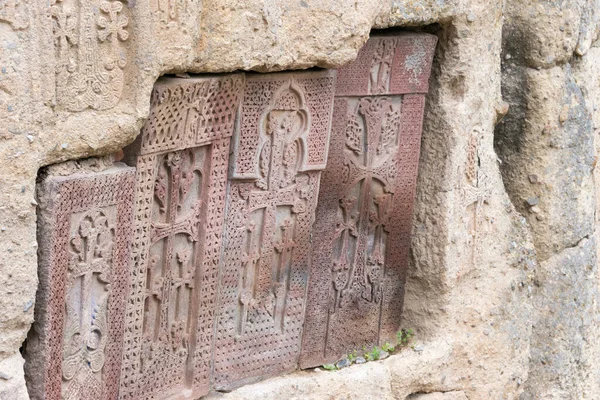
(63, 26)
(113, 27)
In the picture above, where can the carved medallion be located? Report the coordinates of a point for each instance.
(85, 226)
(181, 158)
(361, 236)
(280, 150)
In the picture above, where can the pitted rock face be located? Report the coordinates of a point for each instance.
(280, 149)
(74, 350)
(361, 236)
(181, 158)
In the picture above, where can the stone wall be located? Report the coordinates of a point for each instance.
(503, 284)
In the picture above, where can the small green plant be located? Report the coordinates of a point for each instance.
(404, 335)
(375, 353)
(329, 367)
(352, 356)
(388, 347)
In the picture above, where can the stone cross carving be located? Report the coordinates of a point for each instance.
(280, 148)
(90, 60)
(477, 190)
(361, 235)
(86, 224)
(181, 158)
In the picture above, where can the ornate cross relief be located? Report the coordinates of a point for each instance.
(90, 58)
(361, 236)
(181, 158)
(271, 203)
(86, 223)
(86, 327)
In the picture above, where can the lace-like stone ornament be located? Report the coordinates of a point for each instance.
(181, 157)
(361, 236)
(85, 223)
(281, 146)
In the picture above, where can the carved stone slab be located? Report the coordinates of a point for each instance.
(362, 231)
(182, 158)
(281, 145)
(398, 64)
(85, 224)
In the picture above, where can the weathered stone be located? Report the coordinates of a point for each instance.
(465, 258)
(364, 216)
(563, 367)
(453, 395)
(280, 148)
(85, 226)
(181, 158)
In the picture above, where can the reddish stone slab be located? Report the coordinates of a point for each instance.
(361, 236)
(281, 145)
(182, 159)
(398, 64)
(84, 230)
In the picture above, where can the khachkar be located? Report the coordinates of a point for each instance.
(85, 222)
(362, 232)
(281, 147)
(89, 46)
(181, 157)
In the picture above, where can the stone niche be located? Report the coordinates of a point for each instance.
(262, 224)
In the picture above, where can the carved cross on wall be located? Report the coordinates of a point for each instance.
(478, 190)
(382, 66)
(279, 187)
(86, 330)
(171, 272)
(357, 272)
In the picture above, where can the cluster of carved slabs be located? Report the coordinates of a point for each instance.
(199, 266)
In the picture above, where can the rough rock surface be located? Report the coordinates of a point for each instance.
(494, 288)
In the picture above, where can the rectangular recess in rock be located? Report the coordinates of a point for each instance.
(84, 231)
(182, 158)
(361, 236)
(281, 148)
